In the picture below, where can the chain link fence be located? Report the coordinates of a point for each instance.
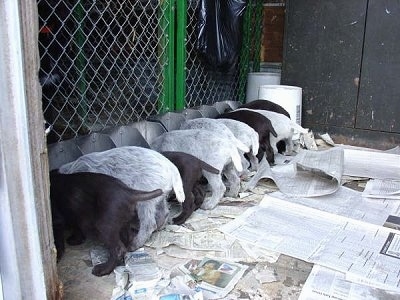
(204, 85)
(108, 62)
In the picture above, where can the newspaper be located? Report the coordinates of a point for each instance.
(324, 283)
(180, 242)
(365, 252)
(382, 188)
(317, 173)
(349, 203)
(371, 164)
(215, 277)
(308, 174)
(204, 240)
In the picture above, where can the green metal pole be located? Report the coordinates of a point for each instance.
(245, 51)
(167, 23)
(180, 55)
(80, 62)
(258, 24)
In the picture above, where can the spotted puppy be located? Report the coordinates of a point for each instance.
(217, 128)
(260, 124)
(212, 148)
(284, 127)
(247, 136)
(142, 169)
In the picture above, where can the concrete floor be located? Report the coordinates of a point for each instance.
(79, 283)
(290, 273)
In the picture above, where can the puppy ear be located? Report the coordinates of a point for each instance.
(142, 195)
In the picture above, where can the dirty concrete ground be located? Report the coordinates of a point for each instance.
(291, 273)
(78, 283)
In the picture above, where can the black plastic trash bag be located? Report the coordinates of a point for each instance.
(220, 32)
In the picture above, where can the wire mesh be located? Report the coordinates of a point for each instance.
(104, 62)
(205, 85)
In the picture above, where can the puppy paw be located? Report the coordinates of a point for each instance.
(102, 269)
(209, 203)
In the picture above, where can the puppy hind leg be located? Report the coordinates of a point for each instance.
(188, 207)
(233, 181)
(109, 234)
(161, 213)
(115, 258)
(217, 189)
(253, 162)
(146, 212)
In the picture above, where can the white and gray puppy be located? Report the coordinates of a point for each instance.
(142, 169)
(247, 136)
(212, 148)
(284, 127)
(217, 127)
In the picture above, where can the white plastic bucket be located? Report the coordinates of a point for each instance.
(256, 79)
(289, 97)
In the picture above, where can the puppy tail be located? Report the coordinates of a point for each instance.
(209, 168)
(237, 162)
(241, 146)
(298, 128)
(142, 195)
(177, 184)
(255, 145)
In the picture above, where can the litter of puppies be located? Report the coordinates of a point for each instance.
(199, 167)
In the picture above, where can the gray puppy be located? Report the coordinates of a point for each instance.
(141, 169)
(212, 148)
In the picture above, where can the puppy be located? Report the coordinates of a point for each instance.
(284, 127)
(93, 204)
(270, 106)
(212, 148)
(260, 124)
(142, 169)
(247, 136)
(265, 105)
(216, 127)
(190, 168)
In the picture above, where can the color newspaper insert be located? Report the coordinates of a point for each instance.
(215, 277)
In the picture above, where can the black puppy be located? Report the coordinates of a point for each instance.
(271, 106)
(260, 124)
(265, 105)
(190, 168)
(93, 204)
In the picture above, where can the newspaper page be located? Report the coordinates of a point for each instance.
(214, 276)
(350, 246)
(370, 164)
(349, 203)
(309, 174)
(204, 240)
(324, 283)
(382, 188)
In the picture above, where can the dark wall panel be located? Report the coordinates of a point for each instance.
(379, 98)
(322, 55)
